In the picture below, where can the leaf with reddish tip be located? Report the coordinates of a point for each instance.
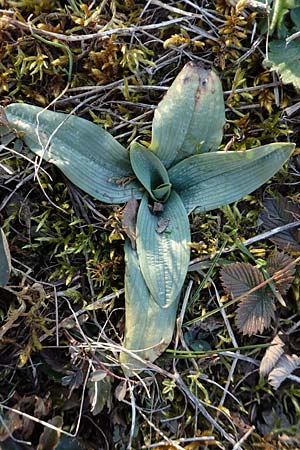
(191, 116)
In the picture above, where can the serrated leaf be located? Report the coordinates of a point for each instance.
(87, 154)
(284, 367)
(148, 327)
(272, 355)
(255, 311)
(239, 278)
(279, 212)
(285, 60)
(191, 113)
(5, 261)
(208, 181)
(277, 263)
(150, 172)
(163, 256)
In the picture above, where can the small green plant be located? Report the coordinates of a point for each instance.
(180, 172)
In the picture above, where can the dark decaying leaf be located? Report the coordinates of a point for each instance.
(284, 367)
(5, 262)
(99, 394)
(255, 311)
(278, 263)
(272, 355)
(279, 212)
(129, 219)
(50, 437)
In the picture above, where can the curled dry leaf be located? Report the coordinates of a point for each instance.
(284, 367)
(272, 355)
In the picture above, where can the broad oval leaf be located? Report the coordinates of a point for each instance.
(190, 117)
(148, 327)
(208, 181)
(163, 253)
(255, 311)
(150, 172)
(87, 154)
(5, 261)
(205, 132)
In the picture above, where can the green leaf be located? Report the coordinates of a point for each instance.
(163, 252)
(148, 327)
(256, 310)
(88, 155)
(150, 172)
(205, 132)
(211, 180)
(5, 261)
(285, 60)
(191, 113)
(279, 9)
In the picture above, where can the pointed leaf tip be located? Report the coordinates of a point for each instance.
(87, 154)
(211, 180)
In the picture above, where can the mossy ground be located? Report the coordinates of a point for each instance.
(67, 248)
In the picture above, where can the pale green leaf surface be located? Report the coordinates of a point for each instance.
(148, 327)
(208, 181)
(163, 256)
(150, 171)
(5, 262)
(173, 115)
(87, 154)
(285, 60)
(206, 127)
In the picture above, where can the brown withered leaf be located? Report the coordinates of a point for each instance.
(279, 212)
(277, 263)
(50, 437)
(255, 311)
(272, 355)
(129, 220)
(284, 367)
